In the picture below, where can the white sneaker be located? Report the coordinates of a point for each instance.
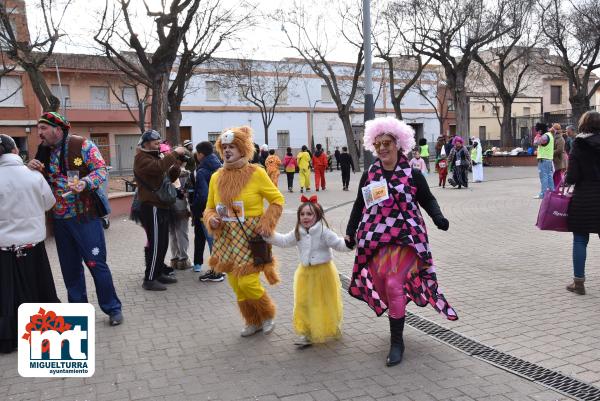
(302, 341)
(250, 330)
(268, 326)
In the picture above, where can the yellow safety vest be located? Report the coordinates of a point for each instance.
(546, 152)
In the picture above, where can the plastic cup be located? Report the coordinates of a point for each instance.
(73, 177)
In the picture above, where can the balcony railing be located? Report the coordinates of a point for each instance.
(100, 106)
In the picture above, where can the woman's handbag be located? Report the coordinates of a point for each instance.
(166, 192)
(259, 248)
(554, 209)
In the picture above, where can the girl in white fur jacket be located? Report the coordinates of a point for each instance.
(317, 287)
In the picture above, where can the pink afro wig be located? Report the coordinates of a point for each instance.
(403, 133)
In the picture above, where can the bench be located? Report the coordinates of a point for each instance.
(130, 186)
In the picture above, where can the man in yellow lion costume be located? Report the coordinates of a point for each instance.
(237, 191)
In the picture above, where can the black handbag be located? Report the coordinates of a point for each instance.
(166, 191)
(259, 248)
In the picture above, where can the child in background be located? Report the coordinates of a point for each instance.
(272, 164)
(317, 287)
(442, 168)
(290, 166)
(418, 162)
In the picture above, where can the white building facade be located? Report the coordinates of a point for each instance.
(306, 113)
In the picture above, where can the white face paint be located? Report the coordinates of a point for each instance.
(231, 153)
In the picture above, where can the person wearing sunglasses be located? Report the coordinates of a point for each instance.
(393, 263)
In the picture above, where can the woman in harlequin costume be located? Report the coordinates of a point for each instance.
(393, 263)
(237, 191)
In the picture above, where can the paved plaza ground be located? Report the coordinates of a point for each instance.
(504, 277)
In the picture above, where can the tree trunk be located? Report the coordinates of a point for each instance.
(158, 108)
(397, 108)
(266, 128)
(47, 100)
(462, 115)
(506, 134)
(461, 101)
(174, 133)
(350, 140)
(142, 116)
(579, 105)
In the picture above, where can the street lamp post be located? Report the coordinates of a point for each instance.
(368, 82)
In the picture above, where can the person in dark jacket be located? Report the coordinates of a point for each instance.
(346, 163)
(264, 153)
(584, 211)
(336, 155)
(459, 159)
(256, 156)
(208, 163)
(149, 169)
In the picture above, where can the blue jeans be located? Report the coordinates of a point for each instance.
(545, 168)
(83, 241)
(580, 242)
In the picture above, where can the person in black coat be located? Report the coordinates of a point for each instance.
(346, 162)
(337, 154)
(584, 211)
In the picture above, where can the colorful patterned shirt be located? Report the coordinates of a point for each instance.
(71, 205)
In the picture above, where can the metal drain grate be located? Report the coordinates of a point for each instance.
(571, 387)
(462, 343)
(546, 377)
(515, 365)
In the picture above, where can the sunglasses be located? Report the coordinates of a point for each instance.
(386, 143)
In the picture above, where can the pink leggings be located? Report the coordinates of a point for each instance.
(389, 268)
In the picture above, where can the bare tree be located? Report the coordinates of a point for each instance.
(452, 32)
(32, 54)
(137, 106)
(508, 61)
(149, 67)
(265, 84)
(571, 29)
(213, 25)
(390, 47)
(307, 35)
(441, 106)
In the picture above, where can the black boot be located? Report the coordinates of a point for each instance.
(397, 343)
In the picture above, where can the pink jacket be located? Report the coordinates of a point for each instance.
(289, 163)
(419, 164)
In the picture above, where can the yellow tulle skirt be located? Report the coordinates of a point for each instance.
(318, 302)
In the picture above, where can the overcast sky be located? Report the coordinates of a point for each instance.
(263, 42)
